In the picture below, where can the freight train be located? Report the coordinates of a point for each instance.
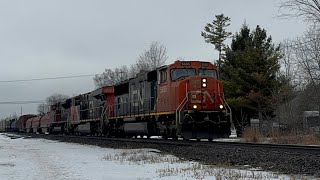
(184, 99)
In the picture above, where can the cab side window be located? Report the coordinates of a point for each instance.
(163, 76)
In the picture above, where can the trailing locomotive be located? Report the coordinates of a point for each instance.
(8, 125)
(183, 99)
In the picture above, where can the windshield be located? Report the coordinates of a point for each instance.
(178, 73)
(208, 72)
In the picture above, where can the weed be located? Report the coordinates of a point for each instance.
(252, 135)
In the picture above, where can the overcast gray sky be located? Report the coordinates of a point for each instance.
(42, 38)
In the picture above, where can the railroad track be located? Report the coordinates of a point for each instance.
(290, 147)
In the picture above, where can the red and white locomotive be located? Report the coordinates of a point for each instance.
(183, 99)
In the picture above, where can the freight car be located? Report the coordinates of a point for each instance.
(29, 126)
(8, 125)
(3, 125)
(21, 122)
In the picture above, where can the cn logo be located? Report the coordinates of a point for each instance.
(163, 89)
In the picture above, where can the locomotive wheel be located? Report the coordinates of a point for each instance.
(175, 138)
(185, 139)
(165, 137)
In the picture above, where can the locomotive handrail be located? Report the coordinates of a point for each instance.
(105, 109)
(230, 112)
(178, 110)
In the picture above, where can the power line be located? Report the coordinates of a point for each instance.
(23, 102)
(49, 78)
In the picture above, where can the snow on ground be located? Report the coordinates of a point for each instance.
(24, 159)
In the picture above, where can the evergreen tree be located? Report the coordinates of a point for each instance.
(215, 33)
(250, 75)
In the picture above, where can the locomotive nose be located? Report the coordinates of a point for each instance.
(205, 93)
(197, 86)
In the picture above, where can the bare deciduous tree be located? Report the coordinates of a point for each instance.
(286, 110)
(51, 100)
(307, 53)
(290, 70)
(55, 98)
(153, 57)
(150, 59)
(43, 108)
(286, 61)
(133, 71)
(112, 76)
(308, 10)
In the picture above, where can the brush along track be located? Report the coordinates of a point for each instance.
(288, 159)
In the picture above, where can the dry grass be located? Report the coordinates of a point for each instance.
(309, 138)
(199, 171)
(252, 135)
(141, 156)
(176, 167)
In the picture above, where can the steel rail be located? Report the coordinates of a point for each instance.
(291, 147)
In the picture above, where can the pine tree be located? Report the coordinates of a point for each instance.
(250, 74)
(215, 33)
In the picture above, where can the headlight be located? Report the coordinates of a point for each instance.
(204, 85)
(204, 80)
(195, 106)
(221, 106)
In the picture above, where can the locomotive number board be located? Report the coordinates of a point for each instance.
(185, 63)
(205, 64)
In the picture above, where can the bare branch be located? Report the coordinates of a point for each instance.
(51, 100)
(43, 109)
(152, 58)
(308, 10)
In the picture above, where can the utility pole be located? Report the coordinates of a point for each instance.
(21, 110)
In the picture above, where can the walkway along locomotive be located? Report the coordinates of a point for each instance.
(184, 99)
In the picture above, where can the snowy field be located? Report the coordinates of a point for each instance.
(39, 159)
